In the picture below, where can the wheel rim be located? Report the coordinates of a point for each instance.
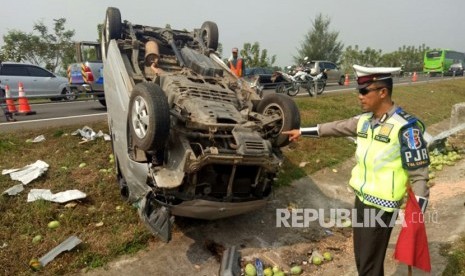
(140, 117)
(69, 95)
(275, 128)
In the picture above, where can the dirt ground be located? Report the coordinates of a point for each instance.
(256, 234)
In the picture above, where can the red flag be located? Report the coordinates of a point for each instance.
(412, 243)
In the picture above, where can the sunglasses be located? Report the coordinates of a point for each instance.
(365, 91)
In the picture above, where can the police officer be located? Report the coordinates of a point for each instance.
(391, 154)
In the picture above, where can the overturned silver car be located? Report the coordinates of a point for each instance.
(189, 138)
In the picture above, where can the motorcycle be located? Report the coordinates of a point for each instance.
(315, 85)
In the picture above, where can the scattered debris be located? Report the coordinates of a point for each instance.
(54, 224)
(70, 205)
(328, 232)
(27, 173)
(34, 264)
(4, 245)
(37, 239)
(302, 164)
(316, 258)
(38, 139)
(16, 189)
(99, 224)
(296, 270)
(230, 262)
(67, 245)
(88, 134)
(61, 197)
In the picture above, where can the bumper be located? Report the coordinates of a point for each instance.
(211, 210)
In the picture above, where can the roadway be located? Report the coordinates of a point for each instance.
(52, 114)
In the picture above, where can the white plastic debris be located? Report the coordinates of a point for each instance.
(61, 197)
(16, 189)
(27, 173)
(38, 139)
(88, 134)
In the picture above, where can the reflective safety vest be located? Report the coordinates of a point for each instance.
(379, 178)
(237, 70)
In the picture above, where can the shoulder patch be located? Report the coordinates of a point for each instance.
(409, 118)
(413, 149)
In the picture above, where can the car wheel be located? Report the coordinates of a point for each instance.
(149, 117)
(209, 34)
(68, 95)
(111, 27)
(286, 109)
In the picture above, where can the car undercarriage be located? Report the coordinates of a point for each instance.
(189, 138)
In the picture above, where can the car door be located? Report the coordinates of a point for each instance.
(45, 83)
(12, 74)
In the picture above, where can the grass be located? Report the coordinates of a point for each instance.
(455, 255)
(122, 232)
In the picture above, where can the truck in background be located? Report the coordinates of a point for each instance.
(86, 75)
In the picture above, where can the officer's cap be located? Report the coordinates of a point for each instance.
(368, 75)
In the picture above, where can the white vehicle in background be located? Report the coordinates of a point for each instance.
(37, 81)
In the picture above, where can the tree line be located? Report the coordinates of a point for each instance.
(54, 49)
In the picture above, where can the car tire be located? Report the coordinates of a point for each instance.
(68, 95)
(111, 27)
(285, 107)
(149, 117)
(209, 34)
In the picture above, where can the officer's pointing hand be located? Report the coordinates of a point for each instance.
(294, 134)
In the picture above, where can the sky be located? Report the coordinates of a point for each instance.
(279, 26)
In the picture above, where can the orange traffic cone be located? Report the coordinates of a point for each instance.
(10, 103)
(24, 108)
(414, 77)
(346, 81)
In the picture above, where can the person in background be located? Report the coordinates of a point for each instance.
(391, 154)
(8, 115)
(236, 64)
